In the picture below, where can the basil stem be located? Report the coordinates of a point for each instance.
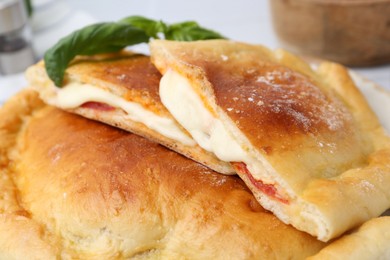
(189, 31)
(114, 36)
(150, 27)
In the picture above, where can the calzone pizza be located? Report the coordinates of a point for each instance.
(121, 90)
(304, 141)
(73, 188)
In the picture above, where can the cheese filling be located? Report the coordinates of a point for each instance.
(186, 106)
(209, 132)
(76, 94)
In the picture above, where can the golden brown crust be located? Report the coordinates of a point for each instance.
(337, 78)
(308, 131)
(20, 234)
(132, 77)
(281, 111)
(271, 103)
(370, 241)
(119, 119)
(93, 191)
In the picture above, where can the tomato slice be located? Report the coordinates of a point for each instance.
(98, 106)
(269, 189)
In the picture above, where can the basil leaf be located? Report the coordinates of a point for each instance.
(29, 7)
(112, 37)
(150, 27)
(93, 39)
(190, 31)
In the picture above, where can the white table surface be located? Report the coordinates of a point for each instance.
(244, 20)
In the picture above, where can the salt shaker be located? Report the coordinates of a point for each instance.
(16, 52)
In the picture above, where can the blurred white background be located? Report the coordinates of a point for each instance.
(244, 20)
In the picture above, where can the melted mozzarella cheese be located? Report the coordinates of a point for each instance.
(208, 131)
(75, 94)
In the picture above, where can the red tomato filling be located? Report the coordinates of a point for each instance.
(268, 189)
(98, 106)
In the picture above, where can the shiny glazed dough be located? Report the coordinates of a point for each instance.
(77, 189)
(308, 135)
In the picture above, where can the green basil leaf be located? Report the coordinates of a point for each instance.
(112, 37)
(190, 31)
(150, 27)
(93, 39)
(29, 7)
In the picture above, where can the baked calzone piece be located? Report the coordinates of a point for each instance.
(370, 241)
(305, 142)
(73, 188)
(120, 90)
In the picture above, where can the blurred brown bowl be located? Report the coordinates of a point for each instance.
(351, 32)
